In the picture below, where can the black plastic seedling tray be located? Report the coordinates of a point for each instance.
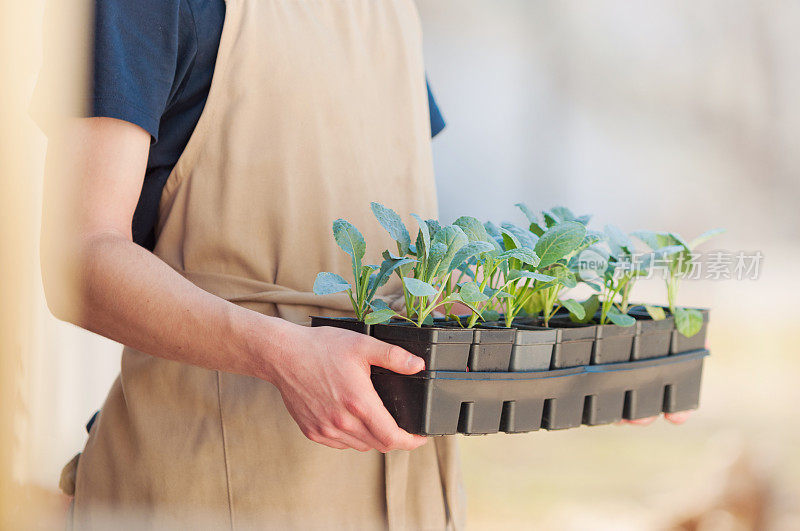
(653, 338)
(659, 338)
(491, 349)
(613, 344)
(681, 343)
(448, 402)
(348, 323)
(443, 348)
(575, 344)
(533, 348)
(491, 378)
(491, 345)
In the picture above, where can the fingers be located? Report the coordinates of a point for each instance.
(382, 426)
(331, 443)
(678, 418)
(351, 431)
(393, 358)
(383, 434)
(642, 422)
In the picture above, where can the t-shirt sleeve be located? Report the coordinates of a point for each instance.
(437, 120)
(135, 60)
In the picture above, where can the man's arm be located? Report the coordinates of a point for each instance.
(97, 278)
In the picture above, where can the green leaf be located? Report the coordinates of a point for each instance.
(433, 227)
(329, 283)
(349, 239)
(562, 213)
(510, 241)
(435, 260)
(495, 237)
(575, 308)
(492, 230)
(618, 241)
(559, 241)
(473, 228)
(670, 252)
(656, 240)
(514, 274)
(379, 304)
(536, 229)
(379, 316)
(418, 288)
(590, 307)
(568, 281)
(549, 219)
(688, 321)
(464, 268)
(525, 237)
(596, 287)
(470, 293)
(523, 254)
(456, 297)
(705, 237)
(535, 304)
(490, 315)
(619, 318)
(388, 266)
(677, 238)
(656, 312)
(390, 220)
(591, 264)
(473, 248)
(423, 238)
(454, 238)
(592, 237)
(530, 214)
(496, 293)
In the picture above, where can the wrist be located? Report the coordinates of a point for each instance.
(263, 343)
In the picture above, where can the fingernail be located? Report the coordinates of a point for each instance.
(415, 363)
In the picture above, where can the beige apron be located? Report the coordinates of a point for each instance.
(317, 107)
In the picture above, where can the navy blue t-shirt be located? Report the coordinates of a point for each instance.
(153, 64)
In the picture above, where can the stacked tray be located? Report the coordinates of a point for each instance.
(491, 379)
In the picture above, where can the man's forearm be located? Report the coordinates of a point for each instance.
(129, 295)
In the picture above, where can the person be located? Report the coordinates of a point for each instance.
(223, 139)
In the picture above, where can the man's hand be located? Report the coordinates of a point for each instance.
(324, 379)
(675, 418)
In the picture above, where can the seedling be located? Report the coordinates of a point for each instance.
(499, 268)
(439, 251)
(366, 278)
(677, 254)
(563, 236)
(542, 293)
(609, 267)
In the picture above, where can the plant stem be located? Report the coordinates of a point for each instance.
(626, 291)
(672, 291)
(355, 306)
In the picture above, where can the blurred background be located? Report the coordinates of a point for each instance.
(677, 116)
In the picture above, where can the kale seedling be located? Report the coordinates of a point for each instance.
(367, 278)
(677, 253)
(610, 268)
(562, 237)
(438, 252)
(502, 252)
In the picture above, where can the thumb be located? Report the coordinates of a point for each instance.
(394, 358)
